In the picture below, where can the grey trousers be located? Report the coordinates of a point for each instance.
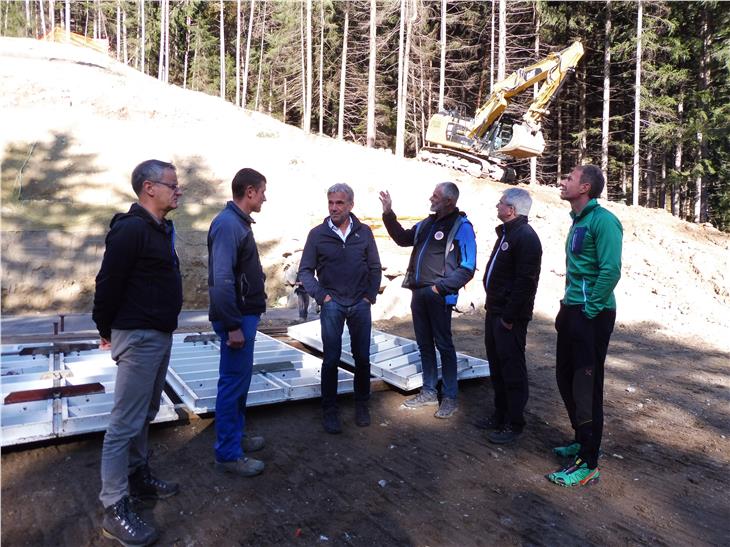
(142, 357)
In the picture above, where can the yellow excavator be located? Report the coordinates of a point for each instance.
(483, 144)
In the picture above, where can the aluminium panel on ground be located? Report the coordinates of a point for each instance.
(280, 373)
(393, 358)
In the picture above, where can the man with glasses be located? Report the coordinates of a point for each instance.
(340, 269)
(137, 301)
(237, 300)
(510, 281)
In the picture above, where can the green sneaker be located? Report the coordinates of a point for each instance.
(576, 474)
(570, 451)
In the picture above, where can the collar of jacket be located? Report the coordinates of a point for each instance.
(136, 210)
(356, 224)
(243, 214)
(507, 227)
(592, 204)
(448, 218)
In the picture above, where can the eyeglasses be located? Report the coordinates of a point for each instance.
(500, 202)
(173, 187)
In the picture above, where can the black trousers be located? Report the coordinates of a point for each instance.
(580, 358)
(507, 369)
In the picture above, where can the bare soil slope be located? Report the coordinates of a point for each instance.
(75, 123)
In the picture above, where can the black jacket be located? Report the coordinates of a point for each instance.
(348, 271)
(515, 271)
(235, 276)
(139, 284)
(444, 252)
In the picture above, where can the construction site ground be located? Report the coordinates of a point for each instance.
(410, 479)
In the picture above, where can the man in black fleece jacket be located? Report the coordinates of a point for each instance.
(510, 279)
(237, 300)
(341, 252)
(138, 298)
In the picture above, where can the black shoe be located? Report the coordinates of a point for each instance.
(331, 422)
(362, 415)
(503, 436)
(127, 527)
(491, 423)
(143, 486)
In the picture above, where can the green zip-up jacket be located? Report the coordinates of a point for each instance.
(593, 259)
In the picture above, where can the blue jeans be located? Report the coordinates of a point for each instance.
(236, 368)
(332, 318)
(432, 325)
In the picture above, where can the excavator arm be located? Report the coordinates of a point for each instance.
(553, 69)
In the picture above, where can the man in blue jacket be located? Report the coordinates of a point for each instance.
(510, 280)
(237, 300)
(442, 262)
(340, 269)
(138, 298)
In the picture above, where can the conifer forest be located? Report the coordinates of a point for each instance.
(649, 101)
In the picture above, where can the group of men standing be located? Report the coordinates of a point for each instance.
(139, 296)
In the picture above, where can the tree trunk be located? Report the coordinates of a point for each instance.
(261, 56)
(303, 59)
(442, 67)
(662, 191)
(222, 54)
(124, 37)
(637, 106)
(650, 179)
(238, 52)
(582, 126)
(491, 52)
(700, 197)
(68, 20)
(606, 98)
(308, 104)
(119, 30)
(371, 132)
(161, 57)
(142, 47)
(321, 67)
(52, 14)
(533, 161)
(400, 121)
(188, 23)
(43, 18)
(676, 186)
(343, 72)
(283, 113)
(502, 54)
(559, 170)
(247, 57)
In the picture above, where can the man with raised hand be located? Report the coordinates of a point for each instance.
(442, 262)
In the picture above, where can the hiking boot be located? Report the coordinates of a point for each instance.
(127, 527)
(569, 451)
(362, 415)
(245, 467)
(424, 398)
(492, 423)
(144, 486)
(253, 444)
(331, 422)
(447, 408)
(504, 435)
(576, 474)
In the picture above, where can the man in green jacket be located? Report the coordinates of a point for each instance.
(585, 320)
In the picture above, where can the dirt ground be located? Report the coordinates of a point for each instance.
(411, 479)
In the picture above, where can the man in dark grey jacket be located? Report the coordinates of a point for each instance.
(237, 300)
(510, 279)
(138, 298)
(342, 254)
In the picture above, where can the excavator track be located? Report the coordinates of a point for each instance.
(475, 165)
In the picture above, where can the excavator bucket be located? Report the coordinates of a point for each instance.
(525, 143)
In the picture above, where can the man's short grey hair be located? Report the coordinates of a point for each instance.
(151, 170)
(519, 199)
(450, 190)
(344, 188)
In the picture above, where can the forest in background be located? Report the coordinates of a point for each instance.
(649, 102)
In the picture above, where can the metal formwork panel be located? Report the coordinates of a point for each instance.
(31, 421)
(60, 416)
(393, 358)
(280, 373)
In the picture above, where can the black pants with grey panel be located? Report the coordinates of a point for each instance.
(580, 358)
